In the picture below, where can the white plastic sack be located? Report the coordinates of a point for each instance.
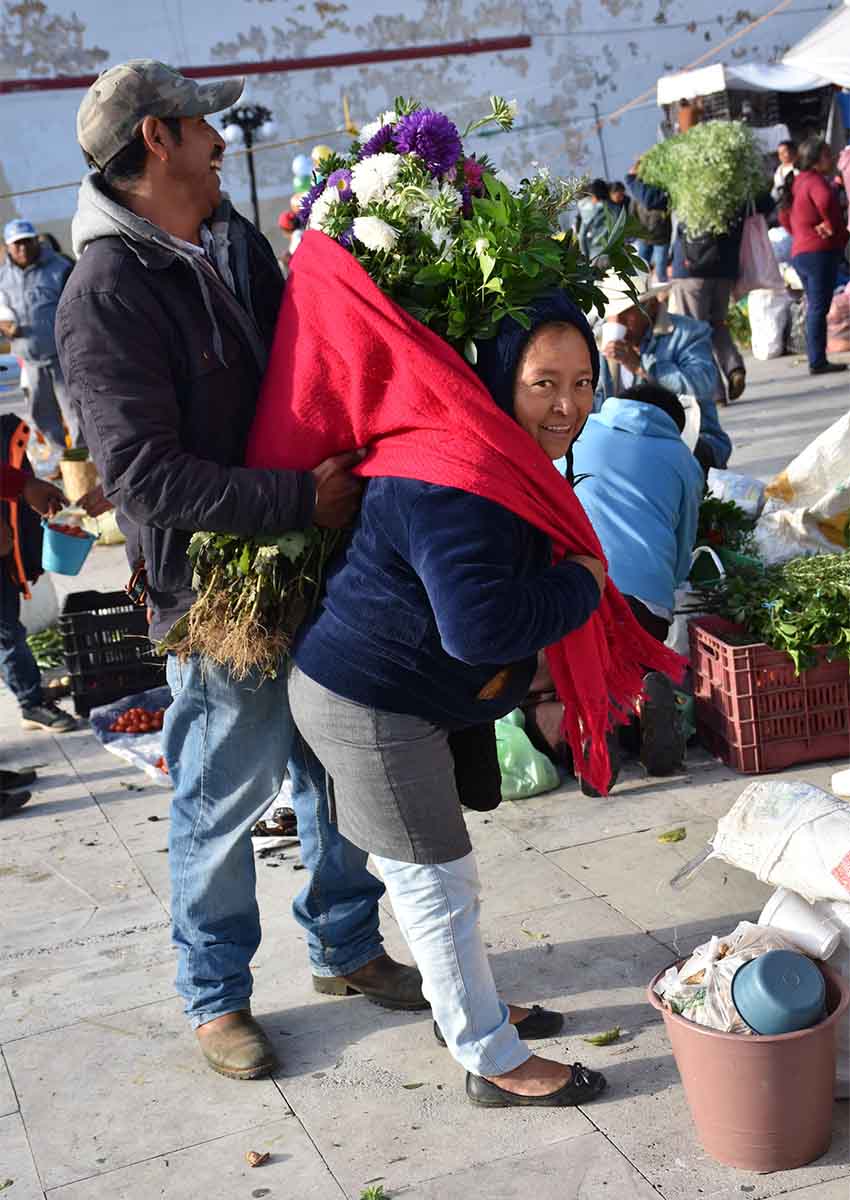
(809, 502)
(757, 266)
(688, 603)
(701, 989)
(42, 610)
(693, 421)
(744, 490)
(769, 311)
(840, 962)
(789, 834)
(780, 243)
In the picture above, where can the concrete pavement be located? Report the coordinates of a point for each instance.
(103, 1095)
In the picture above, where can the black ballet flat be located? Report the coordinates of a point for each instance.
(540, 1023)
(584, 1086)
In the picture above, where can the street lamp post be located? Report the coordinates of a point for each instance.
(249, 123)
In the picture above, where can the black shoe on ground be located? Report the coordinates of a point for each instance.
(614, 758)
(662, 741)
(48, 717)
(736, 383)
(10, 802)
(827, 368)
(16, 781)
(540, 1023)
(584, 1086)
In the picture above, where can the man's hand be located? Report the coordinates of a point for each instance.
(338, 492)
(94, 503)
(593, 565)
(9, 329)
(46, 499)
(625, 354)
(7, 541)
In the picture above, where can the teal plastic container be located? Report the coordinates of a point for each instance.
(780, 992)
(63, 554)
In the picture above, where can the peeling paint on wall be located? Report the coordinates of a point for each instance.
(35, 41)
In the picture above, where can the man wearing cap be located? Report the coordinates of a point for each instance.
(163, 333)
(31, 282)
(645, 343)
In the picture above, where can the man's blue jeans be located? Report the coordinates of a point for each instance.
(227, 745)
(656, 256)
(18, 667)
(818, 270)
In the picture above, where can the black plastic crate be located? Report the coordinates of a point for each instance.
(108, 653)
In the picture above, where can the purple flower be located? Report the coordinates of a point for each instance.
(309, 200)
(466, 196)
(378, 142)
(474, 175)
(341, 180)
(432, 137)
(346, 238)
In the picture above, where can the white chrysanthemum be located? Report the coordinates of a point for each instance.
(372, 177)
(322, 208)
(372, 127)
(481, 245)
(374, 233)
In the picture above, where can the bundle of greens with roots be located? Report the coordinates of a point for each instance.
(252, 596)
(456, 248)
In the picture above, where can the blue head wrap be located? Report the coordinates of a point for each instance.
(498, 357)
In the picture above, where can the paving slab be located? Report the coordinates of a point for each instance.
(390, 1104)
(217, 1170)
(645, 1115)
(634, 873)
(117, 1089)
(838, 1189)
(17, 1169)
(8, 1099)
(584, 1168)
(84, 978)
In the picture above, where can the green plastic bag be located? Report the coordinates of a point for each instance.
(525, 771)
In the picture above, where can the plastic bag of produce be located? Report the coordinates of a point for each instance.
(525, 771)
(141, 750)
(769, 311)
(757, 266)
(701, 989)
(744, 490)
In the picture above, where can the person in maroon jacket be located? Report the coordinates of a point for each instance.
(18, 666)
(811, 212)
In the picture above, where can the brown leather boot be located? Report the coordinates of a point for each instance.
(382, 981)
(236, 1046)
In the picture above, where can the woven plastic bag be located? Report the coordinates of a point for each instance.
(757, 266)
(769, 311)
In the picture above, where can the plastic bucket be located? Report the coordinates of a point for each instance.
(63, 554)
(760, 1103)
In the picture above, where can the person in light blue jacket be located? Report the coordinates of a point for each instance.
(641, 488)
(658, 347)
(31, 282)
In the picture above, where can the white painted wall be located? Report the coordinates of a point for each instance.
(584, 52)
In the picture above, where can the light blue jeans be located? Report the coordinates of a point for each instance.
(437, 907)
(227, 745)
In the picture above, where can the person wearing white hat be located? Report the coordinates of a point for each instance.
(643, 342)
(31, 283)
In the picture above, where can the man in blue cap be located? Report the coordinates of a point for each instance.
(31, 282)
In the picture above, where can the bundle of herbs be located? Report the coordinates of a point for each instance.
(794, 606)
(710, 173)
(725, 525)
(252, 595)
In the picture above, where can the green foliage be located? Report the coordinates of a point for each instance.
(710, 173)
(47, 648)
(374, 1192)
(794, 606)
(723, 524)
(738, 321)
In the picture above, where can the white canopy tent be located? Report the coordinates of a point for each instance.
(826, 49)
(748, 77)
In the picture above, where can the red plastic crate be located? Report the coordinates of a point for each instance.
(755, 713)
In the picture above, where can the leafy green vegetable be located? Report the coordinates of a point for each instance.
(604, 1039)
(794, 606)
(672, 836)
(723, 523)
(710, 173)
(738, 320)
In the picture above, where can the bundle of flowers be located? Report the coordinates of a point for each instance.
(448, 241)
(710, 173)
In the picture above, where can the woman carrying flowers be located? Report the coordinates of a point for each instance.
(471, 552)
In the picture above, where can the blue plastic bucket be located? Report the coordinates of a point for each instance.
(63, 554)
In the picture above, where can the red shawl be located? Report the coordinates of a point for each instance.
(349, 368)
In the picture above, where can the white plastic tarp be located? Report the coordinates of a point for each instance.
(751, 77)
(826, 49)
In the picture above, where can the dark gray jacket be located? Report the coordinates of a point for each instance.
(165, 368)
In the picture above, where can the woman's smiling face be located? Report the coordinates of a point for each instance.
(553, 389)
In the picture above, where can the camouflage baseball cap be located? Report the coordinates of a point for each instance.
(120, 98)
